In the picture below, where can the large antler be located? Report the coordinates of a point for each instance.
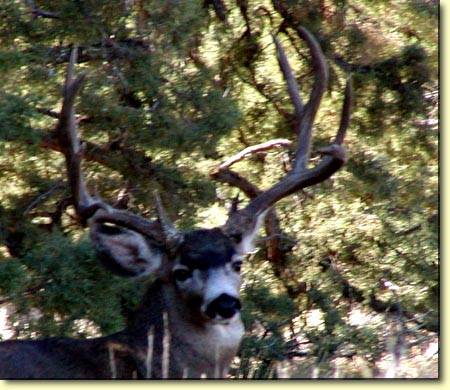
(300, 176)
(87, 206)
(70, 144)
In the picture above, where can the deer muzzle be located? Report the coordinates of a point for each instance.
(223, 307)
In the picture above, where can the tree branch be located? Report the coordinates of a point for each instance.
(254, 149)
(108, 49)
(113, 159)
(37, 12)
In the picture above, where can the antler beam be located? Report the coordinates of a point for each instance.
(334, 156)
(85, 204)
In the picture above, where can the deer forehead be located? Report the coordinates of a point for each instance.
(205, 249)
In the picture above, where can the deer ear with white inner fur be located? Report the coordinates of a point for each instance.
(244, 238)
(124, 251)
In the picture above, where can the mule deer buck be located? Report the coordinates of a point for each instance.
(188, 324)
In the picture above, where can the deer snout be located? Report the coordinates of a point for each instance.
(224, 306)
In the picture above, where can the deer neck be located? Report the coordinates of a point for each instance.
(195, 347)
(213, 345)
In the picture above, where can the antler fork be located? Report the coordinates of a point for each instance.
(300, 176)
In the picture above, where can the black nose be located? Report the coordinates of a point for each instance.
(224, 306)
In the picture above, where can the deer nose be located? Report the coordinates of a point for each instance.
(224, 306)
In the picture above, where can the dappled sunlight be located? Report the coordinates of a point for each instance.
(6, 331)
(322, 114)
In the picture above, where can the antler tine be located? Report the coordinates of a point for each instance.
(234, 205)
(334, 156)
(85, 204)
(346, 112)
(68, 138)
(173, 237)
(291, 82)
(306, 121)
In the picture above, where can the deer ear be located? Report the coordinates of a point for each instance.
(244, 235)
(124, 251)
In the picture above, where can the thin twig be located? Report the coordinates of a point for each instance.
(57, 186)
(149, 357)
(166, 347)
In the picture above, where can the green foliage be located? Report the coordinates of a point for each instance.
(264, 305)
(15, 118)
(62, 278)
(172, 91)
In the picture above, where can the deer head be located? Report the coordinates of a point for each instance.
(203, 266)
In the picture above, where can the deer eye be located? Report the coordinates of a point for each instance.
(182, 274)
(237, 266)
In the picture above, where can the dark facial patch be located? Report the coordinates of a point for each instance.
(205, 248)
